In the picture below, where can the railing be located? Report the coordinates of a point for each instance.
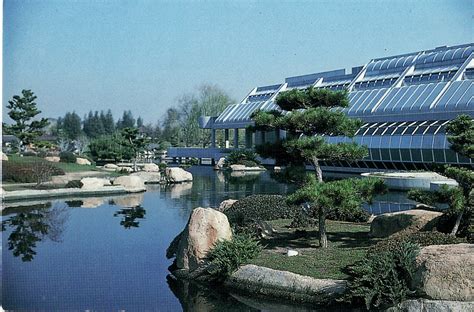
(198, 152)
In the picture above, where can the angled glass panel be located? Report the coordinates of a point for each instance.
(413, 98)
(427, 155)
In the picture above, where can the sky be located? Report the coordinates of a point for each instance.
(82, 55)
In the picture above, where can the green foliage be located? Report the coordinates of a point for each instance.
(227, 256)
(279, 152)
(71, 126)
(348, 215)
(383, 279)
(345, 196)
(422, 239)
(67, 157)
(127, 121)
(162, 166)
(110, 147)
(242, 157)
(302, 220)
(312, 98)
(294, 174)
(74, 184)
(27, 172)
(463, 176)
(256, 208)
(22, 109)
(460, 133)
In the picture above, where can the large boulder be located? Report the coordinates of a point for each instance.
(151, 168)
(226, 204)
(83, 161)
(52, 158)
(94, 183)
(426, 305)
(258, 280)
(446, 272)
(387, 224)
(206, 226)
(148, 176)
(178, 175)
(131, 183)
(4, 156)
(124, 169)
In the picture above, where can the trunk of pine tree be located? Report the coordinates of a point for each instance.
(323, 239)
(456, 225)
(317, 168)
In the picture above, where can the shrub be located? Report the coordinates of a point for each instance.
(420, 238)
(74, 184)
(349, 215)
(26, 172)
(227, 256)
(242, 157)
(301, 220)
(29, 153)
(162, 166)
(383, 279)
(67, 157)
(260, 208)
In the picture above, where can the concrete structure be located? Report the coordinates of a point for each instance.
(405, 102)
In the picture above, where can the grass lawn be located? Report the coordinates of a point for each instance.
(348, 243)
(67, 167)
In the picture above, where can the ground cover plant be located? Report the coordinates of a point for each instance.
(35, 170)
(66, 167)
(243, 157)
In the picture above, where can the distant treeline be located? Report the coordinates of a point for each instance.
(178, 127)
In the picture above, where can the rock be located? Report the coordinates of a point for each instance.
(110, 167)
(124, 169)
(148, 176)
(178, 175)
(446, 272)
(414, 220)
(52, 158)
(94, 183)
(426, 305)
(244, 168)
(291, 253)
(131, 183)
(220, 163)
(226, 204)
(151, 168)
(83, 161)
(206, 226)
(264, 229)
(285, 285)
(60, 180)
(4, 156)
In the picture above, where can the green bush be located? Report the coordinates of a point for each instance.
(162, 166)
(383, 279)
(74, 184)
(29, 153)
(255, 208)
(227, 256)
(67, 157)
(302, 220)
(420, 238)
(242, 157)
(27, 172)
(348, 214)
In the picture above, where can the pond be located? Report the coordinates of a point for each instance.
(109, 253)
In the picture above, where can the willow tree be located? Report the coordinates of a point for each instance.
(311, 115)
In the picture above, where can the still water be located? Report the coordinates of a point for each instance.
(109, 253)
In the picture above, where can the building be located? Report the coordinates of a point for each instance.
(405, 102)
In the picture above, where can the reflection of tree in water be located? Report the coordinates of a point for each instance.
(32, 226)
(129, 216)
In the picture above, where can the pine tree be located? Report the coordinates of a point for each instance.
(312, 115)
(109, 123)
(139, 122)
(22, 110)
(71, 126)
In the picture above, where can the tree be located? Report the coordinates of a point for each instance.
(127, 121)
(71, 126)
(93, 126)
(139, 122)
(110, 147)
(22, 110)
(135, 141)
(313, 114)
(108, 122)
(460, 133)
(171, 128)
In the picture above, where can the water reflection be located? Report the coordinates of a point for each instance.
(130, 216)
(30, 226)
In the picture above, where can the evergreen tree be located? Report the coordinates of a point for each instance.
(71, 126)
(136, 141)
(22, 109)
(109, 123)
(127, 120)
(139, 122)
(312, 115)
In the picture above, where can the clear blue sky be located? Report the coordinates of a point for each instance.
(142, 55)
